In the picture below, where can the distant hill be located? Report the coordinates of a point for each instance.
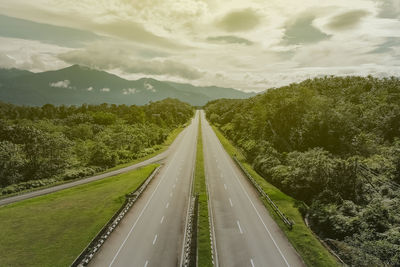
(77, 85)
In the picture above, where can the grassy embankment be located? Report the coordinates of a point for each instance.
(301, 237)
(203, 226)
(52, 230)
(158, 150)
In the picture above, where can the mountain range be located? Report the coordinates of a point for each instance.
(76, 85)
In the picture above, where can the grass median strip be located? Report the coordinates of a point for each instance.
(301, 237)
(203, 233)
(52, 230)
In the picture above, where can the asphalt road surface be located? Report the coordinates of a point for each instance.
(56, 188)
(152, 233)
(245, 233)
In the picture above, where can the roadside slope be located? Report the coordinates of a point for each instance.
(52, 230)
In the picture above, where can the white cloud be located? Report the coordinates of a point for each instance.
(100, 55)
(30, 55)
(132, 27)
(149, 87)
(105, 90)
(129, 91)
(61, 84)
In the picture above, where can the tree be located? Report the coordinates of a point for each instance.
(12, 161)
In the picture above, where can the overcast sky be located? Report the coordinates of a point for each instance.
(244, 44)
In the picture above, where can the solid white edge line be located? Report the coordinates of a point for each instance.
(210, 210)
(240, 228)
(248, 197)
(143, 210)
(190, 194)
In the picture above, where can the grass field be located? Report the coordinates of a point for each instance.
(301, 237)
(52, 230)
(203, 228)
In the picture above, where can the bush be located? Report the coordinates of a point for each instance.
(27, 185)
(103, 157)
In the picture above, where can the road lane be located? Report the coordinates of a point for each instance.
(152, 232)
(45, 191)
(245, 233)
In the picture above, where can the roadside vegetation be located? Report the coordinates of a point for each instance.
(204, 254)
(307, 245)
(333, 143)
(53, 229)
(48, 145)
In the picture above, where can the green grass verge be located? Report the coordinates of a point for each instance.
(301, 237)
(160, 148)
(52, 230)
(204, 257)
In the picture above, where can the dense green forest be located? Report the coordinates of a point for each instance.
(43, 145)
(333, 143)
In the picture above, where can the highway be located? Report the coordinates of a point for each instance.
(244, 232)
(56, 188)
(152, 233)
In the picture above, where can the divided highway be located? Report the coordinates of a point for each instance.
(245, 233)
(152, 233)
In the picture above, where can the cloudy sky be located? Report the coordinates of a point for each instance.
(245, 44)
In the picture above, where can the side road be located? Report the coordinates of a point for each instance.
(158, 158)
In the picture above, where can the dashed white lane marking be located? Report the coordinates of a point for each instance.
(230, 201)
(162, 219)
(258, 214)
(171, 194)
(252, 263)
(167, 205)
(141, 213)
(174, 186)
(225, 186)
(240, 228)
(147, 262)
(176, 179)
(155, 239)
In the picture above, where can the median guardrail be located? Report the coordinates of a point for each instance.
(190, 250)
(288, 222)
